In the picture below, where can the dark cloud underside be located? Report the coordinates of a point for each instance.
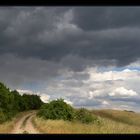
(94, 33)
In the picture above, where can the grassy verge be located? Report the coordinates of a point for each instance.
(6, 127)
(65, 127)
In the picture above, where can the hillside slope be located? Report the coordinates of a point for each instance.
(112, 122)
(127, 117)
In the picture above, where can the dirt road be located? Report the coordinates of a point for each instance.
(24, 125)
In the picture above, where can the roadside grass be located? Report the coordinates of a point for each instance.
(6, 127)
(107, 126)
(25, 132)
(127, 117)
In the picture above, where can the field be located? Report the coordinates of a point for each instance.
(112, 121)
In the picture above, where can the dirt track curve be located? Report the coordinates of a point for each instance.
(25, 126)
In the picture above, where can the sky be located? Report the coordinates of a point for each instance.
(89, 56)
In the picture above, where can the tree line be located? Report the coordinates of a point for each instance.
(11, 102)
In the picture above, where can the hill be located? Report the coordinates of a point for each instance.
(127, 117)
(112, 122)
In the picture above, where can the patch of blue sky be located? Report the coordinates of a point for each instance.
(123, 68)
(104, 69)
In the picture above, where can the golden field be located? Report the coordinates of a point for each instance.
(112, 122)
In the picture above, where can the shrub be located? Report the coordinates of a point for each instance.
(85, 116)
(56, 109)
(2, 116)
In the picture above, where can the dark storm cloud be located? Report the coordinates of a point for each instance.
(99, 18)
(75, 37)
(128, 99)
(17, 72)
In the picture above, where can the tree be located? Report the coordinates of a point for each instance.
(12, 102)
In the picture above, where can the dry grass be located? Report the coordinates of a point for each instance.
(107, 126)
(119, 116)
(6, 127)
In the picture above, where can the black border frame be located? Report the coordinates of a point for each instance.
(68, 136)
(69, 2)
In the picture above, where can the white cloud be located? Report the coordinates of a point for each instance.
(112, 75)
(91, 94)
(121, 91)
(96, 93)
(45, 98)
(105, 103)
(68, 102)
(23, 91)
(94, 90)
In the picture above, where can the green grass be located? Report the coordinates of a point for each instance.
(112, 122)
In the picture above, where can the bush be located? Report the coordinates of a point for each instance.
(2, 116)
(84, 116)
(56, 109)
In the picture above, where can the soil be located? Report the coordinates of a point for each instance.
(24, 125)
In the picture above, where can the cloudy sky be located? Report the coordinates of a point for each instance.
(90, 56)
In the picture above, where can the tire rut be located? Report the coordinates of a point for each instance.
(25, 126)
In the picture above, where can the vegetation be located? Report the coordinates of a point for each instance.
(56, 109)
(119, 116)
(2, 116)
(106, 126)
(7, 127)
(85, 116)
(64, 127)
(59, 110)
(11, 102)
